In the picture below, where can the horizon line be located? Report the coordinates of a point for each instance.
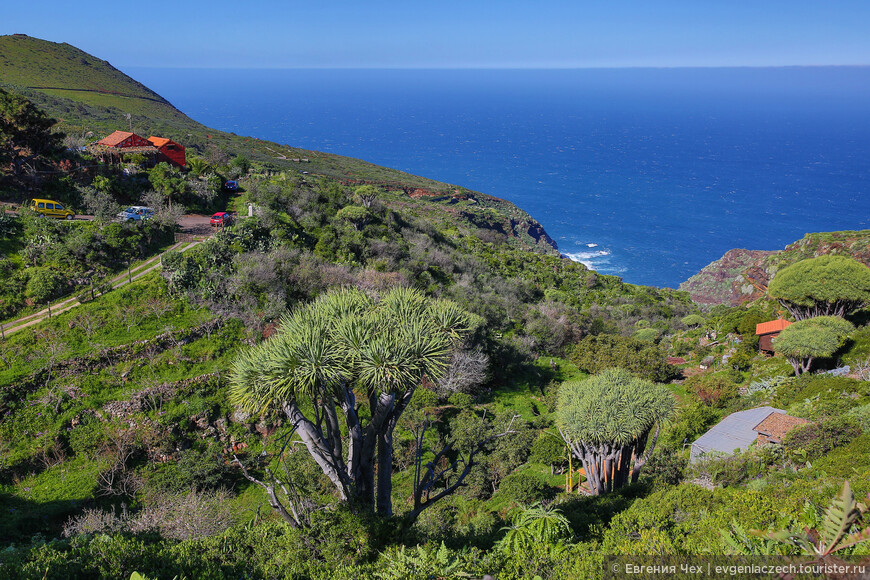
(501, 68)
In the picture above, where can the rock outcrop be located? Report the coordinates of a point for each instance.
(743, 275)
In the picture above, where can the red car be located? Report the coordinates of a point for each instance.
(221, 219)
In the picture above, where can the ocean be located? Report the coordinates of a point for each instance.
(649, 174)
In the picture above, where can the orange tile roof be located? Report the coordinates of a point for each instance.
(159, 141)
(776, 425)
(115, 138)
(772, 326)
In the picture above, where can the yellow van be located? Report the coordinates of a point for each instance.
(47, 207)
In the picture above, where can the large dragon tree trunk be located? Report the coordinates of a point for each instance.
(610, 466)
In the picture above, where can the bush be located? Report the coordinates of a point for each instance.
(593, 354)
(549, 449)
(647, 334)
(813, 440)
(690, 423)
(525, 488)
(666, 466)
(43, 284)
(861, 417)
(714, 390)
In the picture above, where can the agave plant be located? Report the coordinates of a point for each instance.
(836, 531)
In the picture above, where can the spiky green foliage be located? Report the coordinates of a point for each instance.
(534, 524)
(345, 337)
(612, 407)
(606, 420)
(693, 320)
(421, 564)
(812, 338)
(344, 342)
(836, 531)
(829, 285)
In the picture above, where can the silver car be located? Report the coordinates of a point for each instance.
(136, 213)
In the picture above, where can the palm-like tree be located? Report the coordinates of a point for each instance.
(198, 166)
(342, 344)
(606, 421)
(535, 523)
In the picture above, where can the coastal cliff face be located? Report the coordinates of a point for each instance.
(495, 219)
(743, 275)
(63, 81)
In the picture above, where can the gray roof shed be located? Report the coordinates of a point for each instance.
(736, 431)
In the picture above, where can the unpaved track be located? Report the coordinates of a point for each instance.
(120, 280)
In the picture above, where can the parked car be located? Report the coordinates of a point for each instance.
(231, 185)
(50, 208)
(221, 219)
(136, 213)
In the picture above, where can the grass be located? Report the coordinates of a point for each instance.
(117, 276)
(523, 394)
(44, 501)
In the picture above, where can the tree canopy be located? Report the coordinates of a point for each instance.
(606, 420)
(829, 285)
(343, 343)
(812, 338)
(26, 139)
(356, 215)
(595, 353)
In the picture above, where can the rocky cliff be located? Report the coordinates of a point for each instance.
(743, 275)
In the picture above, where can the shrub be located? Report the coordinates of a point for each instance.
(666, 466)
(593, 354)
(461, 400)
(813, 440)
(861, 417)
(522, 487)
(647, 334)
(689, 424)
(549, 449)
(714, 390)
(43, 284)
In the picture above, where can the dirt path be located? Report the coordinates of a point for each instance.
(122, 279)
(196, 224)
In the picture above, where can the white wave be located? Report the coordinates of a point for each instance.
(597, 260)
(580, 256)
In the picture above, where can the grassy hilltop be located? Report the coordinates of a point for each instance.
(89, 94)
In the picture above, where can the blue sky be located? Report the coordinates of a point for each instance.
(454, 34)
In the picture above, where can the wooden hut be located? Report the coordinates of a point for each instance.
(111, 149)
(169, 151)
(767, 331)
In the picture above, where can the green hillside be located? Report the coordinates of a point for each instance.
(30, 62)
(91, 98)
(370, 383)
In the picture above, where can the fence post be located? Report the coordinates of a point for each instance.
(49, 309)
(129, 273)
(2, 332)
